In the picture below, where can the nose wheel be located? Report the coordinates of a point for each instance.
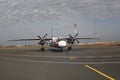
(61, 49)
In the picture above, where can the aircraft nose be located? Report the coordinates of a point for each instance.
(62, 43)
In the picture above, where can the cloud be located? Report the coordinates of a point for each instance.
(27, 11)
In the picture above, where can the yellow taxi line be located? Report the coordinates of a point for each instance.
(99, 72)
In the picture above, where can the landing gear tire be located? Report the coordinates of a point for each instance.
(69, 48)
(42, 49)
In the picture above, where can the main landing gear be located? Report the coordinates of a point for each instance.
(69, 48)
(42, 49)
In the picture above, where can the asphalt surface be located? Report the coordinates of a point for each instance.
(100, 63)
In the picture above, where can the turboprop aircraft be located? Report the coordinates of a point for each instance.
(57, 42)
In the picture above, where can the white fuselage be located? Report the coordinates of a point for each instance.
(58, 43)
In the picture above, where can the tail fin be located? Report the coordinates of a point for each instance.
(96, 36)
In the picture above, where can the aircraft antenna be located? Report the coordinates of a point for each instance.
(51, 32)
(75, 28)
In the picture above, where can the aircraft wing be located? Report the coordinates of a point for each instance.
(71, 40)
(75, 37)
(81, 38)
(23, 39)
(47, 39)
(87, 38)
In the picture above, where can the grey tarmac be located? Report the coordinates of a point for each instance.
(100, 63)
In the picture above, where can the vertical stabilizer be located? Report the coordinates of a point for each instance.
(51, 32)
(75, 28)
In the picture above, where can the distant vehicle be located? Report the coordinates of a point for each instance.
(57, 42)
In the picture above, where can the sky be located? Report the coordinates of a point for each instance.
(27, 18)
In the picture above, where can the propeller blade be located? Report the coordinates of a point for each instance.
(44, 36)
(77, 41)
(42, 40)
(76, 35)
(39, 37)
(71, 37)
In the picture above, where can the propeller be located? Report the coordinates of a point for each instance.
(73, 39)
(42, 39)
